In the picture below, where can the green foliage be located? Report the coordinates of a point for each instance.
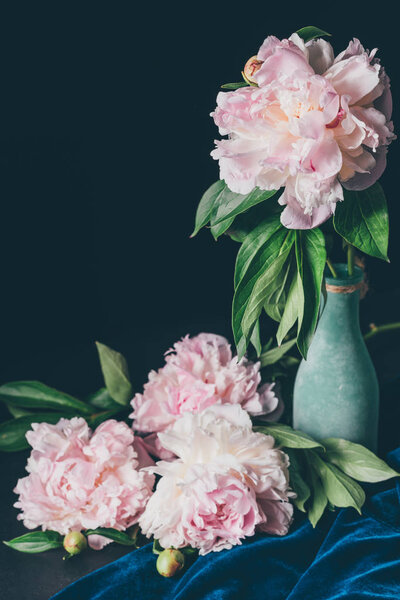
(362, 220)
(219, 207)
(324, 475)
(36, 541)
(120, 537)
(310, 32)
(33, 394)
(115, 373)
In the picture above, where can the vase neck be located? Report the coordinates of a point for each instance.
(342, 309)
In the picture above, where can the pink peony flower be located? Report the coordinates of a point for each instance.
(78, 480)
(226, 481)
(199, 372)
(314, 122)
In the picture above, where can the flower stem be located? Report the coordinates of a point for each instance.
(331, 268)
(350, 260)
(376, 330)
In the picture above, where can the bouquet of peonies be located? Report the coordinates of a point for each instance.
(201, 463)
(309, 132)
(227, 469)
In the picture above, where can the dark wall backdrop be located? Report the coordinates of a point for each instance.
(104, 153)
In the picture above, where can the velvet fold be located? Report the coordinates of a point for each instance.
(346, 556)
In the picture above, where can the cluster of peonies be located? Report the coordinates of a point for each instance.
(199, 372)
(222, 480)
(309, 123)
(78, 480)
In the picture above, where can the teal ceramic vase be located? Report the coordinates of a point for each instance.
(336, 389)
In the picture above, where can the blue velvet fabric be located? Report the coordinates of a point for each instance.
(346, 556)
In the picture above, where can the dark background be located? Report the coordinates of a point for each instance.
(105, 138)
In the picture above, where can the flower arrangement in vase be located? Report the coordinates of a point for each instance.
(307, 132)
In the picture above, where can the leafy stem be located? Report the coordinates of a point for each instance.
(376, 330)
(331, 268)
(350, 260)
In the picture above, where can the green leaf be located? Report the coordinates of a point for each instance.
(254, 242)
(36, 541)
(339, 488)
(287, 437)
(234, 86)
(294, 307)
(230, 204)
(297, 481)
(12, 433)
(272, 356)
(33, 394)
(113, 534)
(102, 399)
(246, 222)
(206, 205)
(220, 228)
(16, 411)
(116, 375)
(362, 220)
(310, 32)
(319, 500)
(357, 462)
(255, 339)
(311, 259)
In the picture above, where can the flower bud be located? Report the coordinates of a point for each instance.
(74, 542)
(169, 562)
(251, 68)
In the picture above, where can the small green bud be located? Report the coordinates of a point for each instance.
(74, 542)
(169, 562)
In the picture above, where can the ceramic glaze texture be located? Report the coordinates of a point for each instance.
(336, 390)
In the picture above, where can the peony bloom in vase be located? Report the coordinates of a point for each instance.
(309, 123)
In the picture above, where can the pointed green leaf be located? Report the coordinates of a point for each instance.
(357, 462)
(311, 259)
(362, 220)
(255, 339)
(36, 541)
(339, 488)
(206, 205)
(113, 534)
(220, 228)
(33, 394)
(102, 399)
(293, 308)
(297, 481)
(319, 500)
(16, 411)
(287, 437)
(310, 32)
(272, 356)
(230, 204)
(116, 375)
(234, 86)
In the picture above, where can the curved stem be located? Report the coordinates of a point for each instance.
(331, 268)
(350, 260)
(376, 330)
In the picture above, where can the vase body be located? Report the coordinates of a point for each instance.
(336, 390)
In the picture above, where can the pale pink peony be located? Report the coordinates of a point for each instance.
(226, 481)
(199, 372)
(78, 480)
(314, 123)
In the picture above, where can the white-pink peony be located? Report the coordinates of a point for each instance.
(226, 482)
(78, 480)
(199, 372)
(313, 123)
